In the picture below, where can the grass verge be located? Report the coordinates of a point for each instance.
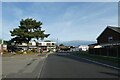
(108, 59)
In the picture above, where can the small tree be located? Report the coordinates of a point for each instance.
(61, 45)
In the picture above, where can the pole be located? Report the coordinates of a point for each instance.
(2, 47)
(57, 42)
(57, 45)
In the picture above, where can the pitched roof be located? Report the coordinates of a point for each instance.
(117, 29)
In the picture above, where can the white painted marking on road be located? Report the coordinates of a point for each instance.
(39, 74)
(100, 63)
(46, 55)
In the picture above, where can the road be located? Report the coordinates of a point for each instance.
(57, 65)
(62, 65)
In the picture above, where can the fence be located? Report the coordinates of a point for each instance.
(113, 51)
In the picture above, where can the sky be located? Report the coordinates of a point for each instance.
(0, 20)
(65, 21)
(60, 0)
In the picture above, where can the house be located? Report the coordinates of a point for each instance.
(92, 46)
(83, 47)
(45, 46)
(68, 48)
(110, 36)
(74, 48)
(64, 48)
(3, 46)
(108, 42)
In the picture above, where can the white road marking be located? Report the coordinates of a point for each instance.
(39, 74)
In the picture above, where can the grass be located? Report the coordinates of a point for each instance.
(98, 57)
(25, 52)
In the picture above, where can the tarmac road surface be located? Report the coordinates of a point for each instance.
(63, 65)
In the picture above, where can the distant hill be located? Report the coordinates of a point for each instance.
(77, 42)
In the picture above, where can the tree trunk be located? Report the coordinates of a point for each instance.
(37, 45)
(27, 45)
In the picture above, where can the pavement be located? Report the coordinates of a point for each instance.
(22, 66)
(0, 66)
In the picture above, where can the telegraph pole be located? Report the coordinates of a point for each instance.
(2, 47)
(57, 45)
(57, 42)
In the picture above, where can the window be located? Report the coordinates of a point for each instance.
(40, 44)
(110, 39)
(48, 44)
(53, 44)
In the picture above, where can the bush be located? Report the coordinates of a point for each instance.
(19, 52)
(29, 51)
(5, 51)
(25, 52)
(34, 50)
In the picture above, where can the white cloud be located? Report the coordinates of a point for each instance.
(75, 22)
(83, 25)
